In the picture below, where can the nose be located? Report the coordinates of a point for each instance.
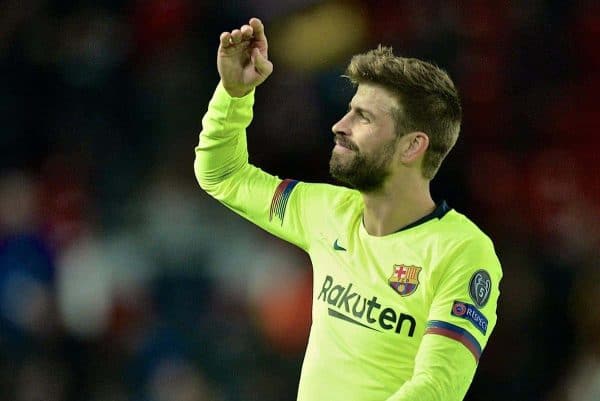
(341, 127)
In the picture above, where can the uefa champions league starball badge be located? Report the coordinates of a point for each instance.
(480, 287)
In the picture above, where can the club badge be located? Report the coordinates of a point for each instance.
(405, 279)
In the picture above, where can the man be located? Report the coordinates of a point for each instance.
(405, 290)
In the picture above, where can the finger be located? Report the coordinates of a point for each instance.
(259, 30)
(262, 65)
(225, 39)
(247, 32)
(236, 36)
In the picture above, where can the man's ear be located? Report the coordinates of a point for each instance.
(414, 146)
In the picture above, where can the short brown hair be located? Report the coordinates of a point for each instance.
(427, 96)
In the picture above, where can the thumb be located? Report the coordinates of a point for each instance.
(262, 65)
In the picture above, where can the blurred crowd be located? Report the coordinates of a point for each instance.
(120, 280)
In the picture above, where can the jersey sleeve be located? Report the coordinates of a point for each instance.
(461, 319)
(443, 371)
(222, 170)
(466, 296)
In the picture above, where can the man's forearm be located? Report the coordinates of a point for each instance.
(222, 147)
(443, 371)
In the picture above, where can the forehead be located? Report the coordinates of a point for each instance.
(374, 97)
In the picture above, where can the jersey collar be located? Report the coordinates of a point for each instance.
(440, 211)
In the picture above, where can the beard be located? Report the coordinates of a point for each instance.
(366, 173)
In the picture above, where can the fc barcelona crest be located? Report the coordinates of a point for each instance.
(405, 279)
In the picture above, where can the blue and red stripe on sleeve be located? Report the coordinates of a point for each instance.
(280, 199)
(456, 333)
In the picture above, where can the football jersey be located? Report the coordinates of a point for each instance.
(403, 316)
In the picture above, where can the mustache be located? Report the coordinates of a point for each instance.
(343, 141)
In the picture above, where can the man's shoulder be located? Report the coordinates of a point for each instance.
(462, 231)
(324, 202)
(463, 240)
(334, 194)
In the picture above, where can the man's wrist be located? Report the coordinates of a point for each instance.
(237, 92)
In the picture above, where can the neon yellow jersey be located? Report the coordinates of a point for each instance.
(399, 317)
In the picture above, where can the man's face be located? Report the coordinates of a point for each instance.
(365, 140)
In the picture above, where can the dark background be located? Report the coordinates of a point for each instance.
(120, 280)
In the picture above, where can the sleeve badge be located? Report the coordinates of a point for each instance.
(480, 287)
(470, 313)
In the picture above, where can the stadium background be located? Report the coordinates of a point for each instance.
(120, 280)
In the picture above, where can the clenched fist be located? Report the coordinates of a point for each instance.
(242, 59)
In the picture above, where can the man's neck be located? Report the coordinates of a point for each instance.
(396, 206)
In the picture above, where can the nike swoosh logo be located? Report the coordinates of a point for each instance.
(337, 314)
(337, 246)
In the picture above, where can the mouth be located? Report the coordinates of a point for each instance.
(341, 149)
(344, 145)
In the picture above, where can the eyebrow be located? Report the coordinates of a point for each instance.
(360, 110)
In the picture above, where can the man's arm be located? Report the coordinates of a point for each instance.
(443, 371)
(460, 322)
(242, 62)
(222, 170)
(221, 164)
